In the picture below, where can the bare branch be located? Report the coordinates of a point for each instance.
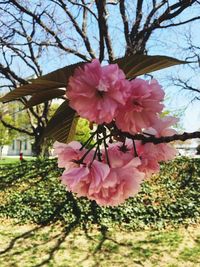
(180, 23)
(125, 22)
(139, 38)
(21, 54)
(8, 73)
(101, 32)
(48, 30)
(103, 28)
(84, 5)
(84, 23)
(78, 29)
(178, 8)
(153, 11)
(12, 127)
(138, 18)
(185, 85)
(164, 139)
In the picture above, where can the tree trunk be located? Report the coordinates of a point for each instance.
(46, 148)
(37, 147)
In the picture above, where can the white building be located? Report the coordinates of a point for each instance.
(186, 149)
(18, 145)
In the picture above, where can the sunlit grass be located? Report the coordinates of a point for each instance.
(30, 245)
(13, 160)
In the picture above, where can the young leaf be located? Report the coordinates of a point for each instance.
(53, 80)
(60, 75)
(60, 124)
(39, 98)
(72, 130)
(30, 89)
(141, 64)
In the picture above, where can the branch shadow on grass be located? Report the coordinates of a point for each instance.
(22, 236)
(100, 247)
(54, 218)
(66, 231)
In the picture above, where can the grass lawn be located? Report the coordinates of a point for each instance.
(77, 233)
(31, 245)
(11, 160)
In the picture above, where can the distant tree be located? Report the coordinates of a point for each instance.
(17, 122)
(6, 135)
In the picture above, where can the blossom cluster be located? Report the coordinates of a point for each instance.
(110, 167)
(101, 94)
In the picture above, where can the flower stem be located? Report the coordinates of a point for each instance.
(88, 141)
(135, 150)
(105, 147)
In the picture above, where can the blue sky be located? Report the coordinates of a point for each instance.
(175, 45)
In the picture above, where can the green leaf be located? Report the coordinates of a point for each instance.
(59, 126)
(44, 96)
(53, 80)
(136, 65)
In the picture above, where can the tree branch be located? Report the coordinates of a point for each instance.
(101, 33)
(21, 54)
(140, 38)
(125, 22)
(8, 73)
(138, 18)
(164, 139)
(48, 30)
(78, 29)
(12, 127)
(178, 7)
(101, 7)
(179, 23)
(184, 84)
(153, 11)
(85, 7)
(85, 17)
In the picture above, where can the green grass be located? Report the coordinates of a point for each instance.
(13, 160)
(9, 160)
(71, 232)
(31, 245)
(167, 239)
(191, 253)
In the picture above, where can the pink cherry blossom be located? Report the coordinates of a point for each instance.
(98, 173)
(75, 179)
(166, 152)
(142, 107)
(149, 155)
(120, 184)
(124, 178)
(152, 154)
(161, 127)
(120, 154)
(95, 92)
(108, 186)
(68, 153)
(86, 180)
